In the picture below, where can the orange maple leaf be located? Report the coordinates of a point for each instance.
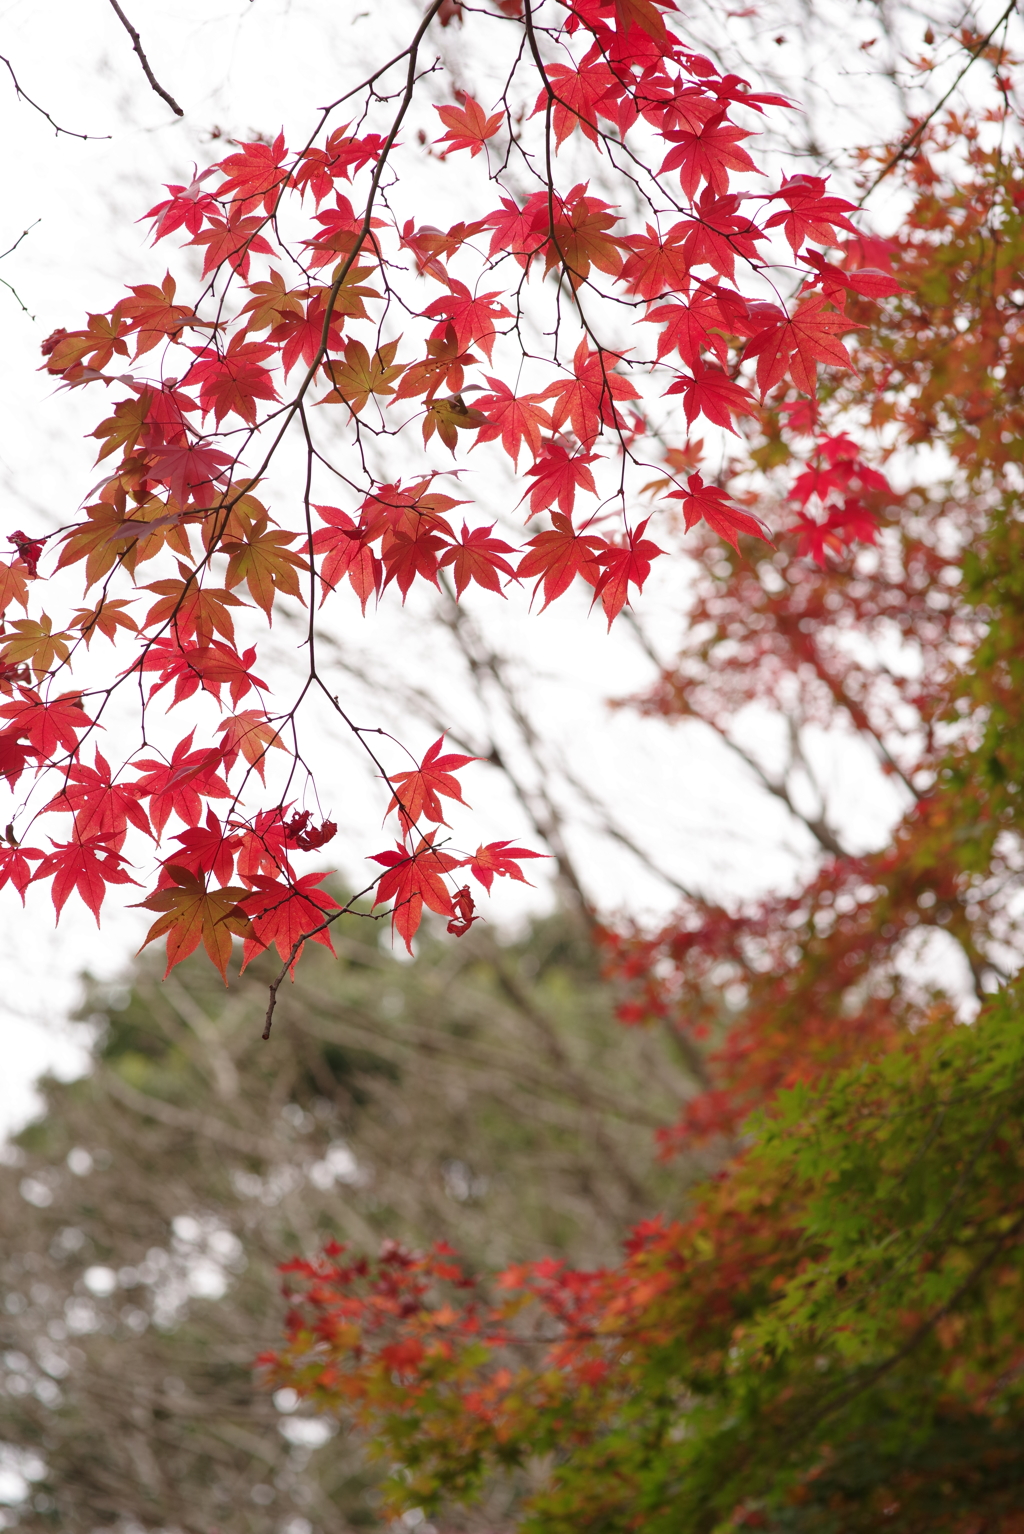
(193, 915)
(468, 126)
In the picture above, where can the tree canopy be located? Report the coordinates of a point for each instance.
(822, 1333)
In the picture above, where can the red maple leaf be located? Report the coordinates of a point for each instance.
(443, 365)
(342, 227)
(719, 234)
(414, 880)
(499, 858)
(235, 380)
(397, 508)
(418, 791)
(14, 758)
(854, 522)
(625, 564)
(842, 468)
(15, 868)
(834, 281)
(46, 725)
(578, 94)
(795, 344)
(514, 418)
(70, 352)
(710, 504)
(339, 158)
(847, 524)
(468, 126)
(191, 470)
(431, 246)
(210, 667)
(669, 105)
(472, 317)
(30, 552)
(705, 323)
(100, 806)
(13, 584)
(710, 153)
(814, 539)
(252, 734)
(153, 315)
(643, 15)
(408, 553)
(187, 205)
(254, 175)
(656, 265)
(287, 915)
(301, 335)
(235, 241)
(464, 908)
(557, 476)
(516, 233)
(207, 849)
(712, 393)
(265, 844)
(809, 214)
(180, 785)
(347, 551)
(87, 866)
(477, 557)
(587, 399)
(301, 832)
(577, 230)
(558, 556)
(193, 914)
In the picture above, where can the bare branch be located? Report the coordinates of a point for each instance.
(912, 138)
(23, 95)
(150, 76)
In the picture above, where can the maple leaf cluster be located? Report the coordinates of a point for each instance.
(831, 1316)
(178, 547)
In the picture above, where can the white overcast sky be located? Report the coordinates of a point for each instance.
(244, 66)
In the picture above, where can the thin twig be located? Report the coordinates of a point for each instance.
(23, 95)
(299, 944)
(13, 291)
(150, 76)
(12, 248)
(17, 298)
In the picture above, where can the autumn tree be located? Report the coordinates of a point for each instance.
(826, 1293)
(830, 1339)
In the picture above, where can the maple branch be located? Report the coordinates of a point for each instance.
(23, 95)
(615, 833)
(818, 826)
(607, 393)
(299, 944)
(912, 138)
(438, 1044)
(549, 824)
(150, 76)
(357, 240)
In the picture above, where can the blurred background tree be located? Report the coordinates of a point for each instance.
(482, 1095)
